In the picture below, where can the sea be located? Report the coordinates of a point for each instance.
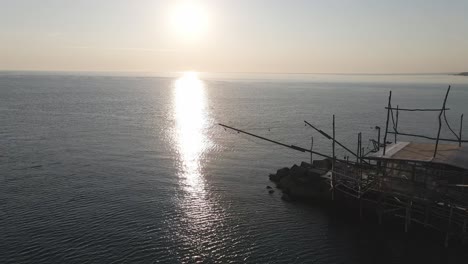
(134, 168)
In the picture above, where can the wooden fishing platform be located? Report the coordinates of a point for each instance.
(421, 182)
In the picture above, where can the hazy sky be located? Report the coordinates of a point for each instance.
(367, 36)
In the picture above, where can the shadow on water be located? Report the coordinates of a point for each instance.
(386, 242)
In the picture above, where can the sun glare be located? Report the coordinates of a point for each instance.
(189, 19)
(191, 124)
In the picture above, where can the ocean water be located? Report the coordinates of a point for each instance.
(135, 169)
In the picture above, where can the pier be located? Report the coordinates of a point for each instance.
(419, 182)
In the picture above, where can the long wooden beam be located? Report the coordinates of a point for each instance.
(417, 109)
(331, 138)
(276, 142)
(427, 137)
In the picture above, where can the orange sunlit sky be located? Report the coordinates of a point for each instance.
(300, 36)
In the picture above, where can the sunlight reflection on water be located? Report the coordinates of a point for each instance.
(200, 213)
(191, 122)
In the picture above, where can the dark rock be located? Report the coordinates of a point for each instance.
(307, 190)
(305, 164)
(324, 164)
(269, 187)
(302, 180)
(286, 197)
(285, 183)
(297, 171)
(273, 177)
(314, 173)
(282, 172)
(279, 175)
(302, 191)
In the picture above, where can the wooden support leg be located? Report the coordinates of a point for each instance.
(381, 208)
(408, 216)
(464, 232)
(360, 208)
(427, 213)
(406, 220)
(447, 233)
(380, 213)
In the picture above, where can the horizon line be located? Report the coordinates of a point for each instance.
(229, 72)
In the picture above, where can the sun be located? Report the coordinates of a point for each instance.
(189, 19)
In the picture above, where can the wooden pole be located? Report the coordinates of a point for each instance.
(362, 154)
(440, 122)
(386, 126)
(333, 144)
(381, 206)
(396, 124)
(360, 173)
(358, 152)
(447, 233)
(426, 213)
(461, 128)
(464, 230)
(330, 138)
(464, 225)
(417, 109)
(311, 149)
(408, 216)
(333, 164)
(360, 206)
(360, 146)
(378, 137)
(276, 142)
(426, 137)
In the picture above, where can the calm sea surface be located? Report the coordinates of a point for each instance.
(114, 169)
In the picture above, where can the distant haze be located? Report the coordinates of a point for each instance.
(300, 36)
